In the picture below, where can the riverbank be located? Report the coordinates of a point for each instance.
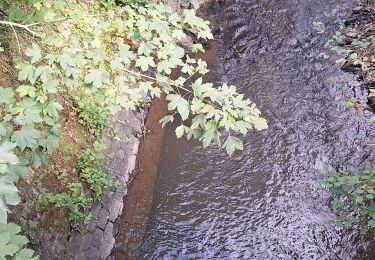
(49, 229)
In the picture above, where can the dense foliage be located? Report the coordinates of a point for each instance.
(106, 58)
(354, 198)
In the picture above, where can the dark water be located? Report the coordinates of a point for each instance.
(263, 203)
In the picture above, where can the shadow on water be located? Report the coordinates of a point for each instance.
(263, 203)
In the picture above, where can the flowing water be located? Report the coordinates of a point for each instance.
(263, 203)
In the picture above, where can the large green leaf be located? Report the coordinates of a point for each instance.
(34, 52)
(26, 137)
(6, 95)
(232, 143)
(6, 156)
(176, 101)
(144, 62)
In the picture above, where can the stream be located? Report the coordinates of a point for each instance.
(263, 203)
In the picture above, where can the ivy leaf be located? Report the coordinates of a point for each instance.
(34, 52)
(65, 61)
(10, 193)
(35, 158)
(182, 105)
(27, 72)
(125, 54)
(52, 143)
(6, 156)
(43, 72)
(180, 131)
(197, 47)
(116, 64)
(50, 86)
(6, 95)
(164, 66)
(97, 77)
(26, 137)
(144, 62)
(26, 90)
(52, 109)
(25, 253)
(259, 123)
(232, 143)
(166, 119)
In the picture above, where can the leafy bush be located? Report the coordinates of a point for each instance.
(94, 116)
(353, 198)
(74, 200)
(11, 243)
(91, 162)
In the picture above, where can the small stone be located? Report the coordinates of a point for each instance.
(103, 218)
(97, 239)
(86, 241)
(115, 210)
(108, 232)
(92, 253)
(95, 210)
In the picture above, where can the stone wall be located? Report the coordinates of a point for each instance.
(98, 238)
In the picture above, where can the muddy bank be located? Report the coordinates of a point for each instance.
(137, 203)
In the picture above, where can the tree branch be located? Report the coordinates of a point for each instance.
(23, 26)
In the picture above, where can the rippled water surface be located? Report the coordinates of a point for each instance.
(263, 203)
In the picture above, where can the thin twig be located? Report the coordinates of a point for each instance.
(18, 42)
(52, 21)
(25, 27)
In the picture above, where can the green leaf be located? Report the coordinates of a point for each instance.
(97, 77)
(6, 156)
(7, 188)
(232, 143)
(52, 143)
(6, 95)
(50, 86)
(26, 137)
(259, 123)
(182, 105)
(26, 90)
(180, 131)
(34, 52)
(27, 72)
(197, 47)
(144, 62)
(65, 61)
(52, 109)
(35, 158)
(3, 214)
(25, 253)
(166, 119)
